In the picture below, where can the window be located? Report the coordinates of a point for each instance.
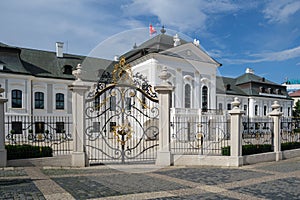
(60, 127)
(113, 103)
(144, 105)
(256, 110)
(128, 103)
(16, 127)
(68, 69)
(278, 91)
(39, 127)
(270, 90)
(39, 100)
(228, 87)
(220, 106)
(229, 106)
(265, 110)
(204, 98)
(60, 102)
(96, 127)
(112, 126)
(187, 96)
(289, 111)
(16, 99)
(97, 103)
(245, 107)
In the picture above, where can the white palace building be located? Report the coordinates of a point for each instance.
(36, 81)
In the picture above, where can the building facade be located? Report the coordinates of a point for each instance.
(36, 82)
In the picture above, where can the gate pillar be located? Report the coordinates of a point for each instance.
(236, 133)
(3, 153)
(164, 97)
(79, 89)
(276, 115)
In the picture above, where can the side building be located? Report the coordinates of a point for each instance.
(36, 83)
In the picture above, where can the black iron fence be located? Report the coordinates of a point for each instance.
(52, 131)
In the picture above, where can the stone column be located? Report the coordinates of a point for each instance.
(3, 153)
(79, 89)
(276, 115)
(251, 107)
(236, 133)
(164, 96)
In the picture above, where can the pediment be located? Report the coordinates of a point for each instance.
(190, 52)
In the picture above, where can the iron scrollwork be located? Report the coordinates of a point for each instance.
(122, 116)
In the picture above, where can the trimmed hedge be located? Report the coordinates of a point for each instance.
(249, 149)
(261, 148)
(290, 145)
(27, 151)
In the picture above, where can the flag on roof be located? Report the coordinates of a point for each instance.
(151, 30)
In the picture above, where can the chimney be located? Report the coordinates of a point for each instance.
(59, 49)
(249, 71)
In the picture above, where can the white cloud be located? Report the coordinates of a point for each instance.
(40, 23)
(182, 15)
(281, 10)
(267, 57)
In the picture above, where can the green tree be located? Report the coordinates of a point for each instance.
(296, 110)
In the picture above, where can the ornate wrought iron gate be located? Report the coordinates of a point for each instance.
(122, 119)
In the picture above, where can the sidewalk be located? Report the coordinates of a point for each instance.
(272, 180)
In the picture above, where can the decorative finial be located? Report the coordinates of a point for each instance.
(275, 105)
(134, 46)
(176, 40)
(163, 30)
(164, 75)
(78, 72)
(196, 43)
(236, 103)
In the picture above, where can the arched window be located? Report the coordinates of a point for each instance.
(204, 99)
(265, 110)
(187, 96)
(39, 100)
(256, 110)
(60, 101)
(16, 99)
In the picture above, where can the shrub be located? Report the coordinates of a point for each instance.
(290, 145)
(27, 151)
(249, 149)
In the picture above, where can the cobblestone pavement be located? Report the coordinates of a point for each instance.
(272, 180)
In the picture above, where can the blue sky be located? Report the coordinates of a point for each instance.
(263, 35)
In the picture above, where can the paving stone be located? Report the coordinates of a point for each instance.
(212, 176)
(19, 189)
(288, 188)
(85, 188)
(197, 196)
(282, 166)
(55, 172)
(12, 172)
(115, 184)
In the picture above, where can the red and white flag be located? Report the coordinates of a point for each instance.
(151, 30)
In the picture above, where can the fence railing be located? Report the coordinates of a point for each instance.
(257, 130)
(52, 131)
(290, 130)
(199, 134)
